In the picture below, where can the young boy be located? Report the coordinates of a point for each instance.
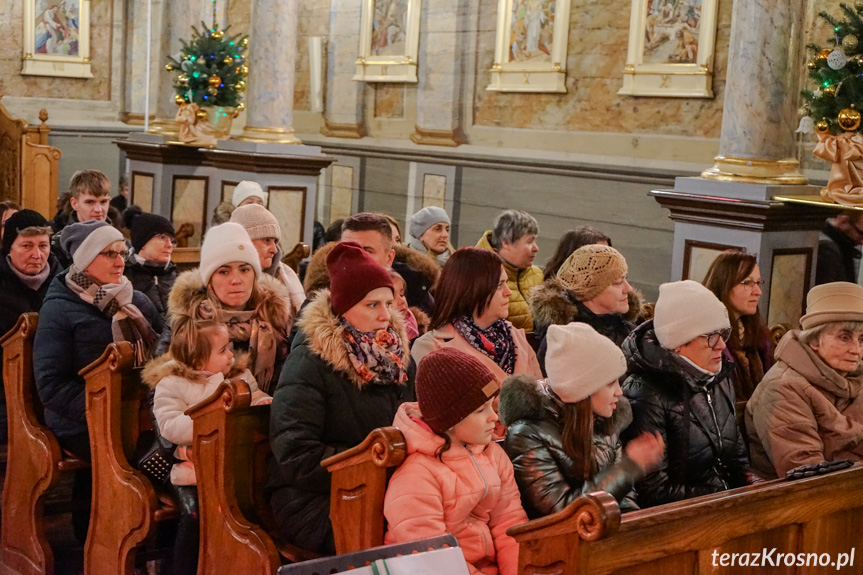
(91, 194)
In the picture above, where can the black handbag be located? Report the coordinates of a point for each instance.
(156, 462)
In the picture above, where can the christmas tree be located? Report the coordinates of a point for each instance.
(210, 69)
(834, 106)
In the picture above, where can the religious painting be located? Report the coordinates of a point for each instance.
(670, 48)
(531, 44)
(57, 38)
(389, 41)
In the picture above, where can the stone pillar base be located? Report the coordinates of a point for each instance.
(267, 135)
(755, 171)
(352, 131)
(449, 138)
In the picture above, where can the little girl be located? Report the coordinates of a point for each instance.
(416, 322)
(199, 359)
(455, 479)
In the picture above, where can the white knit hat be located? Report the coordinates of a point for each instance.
(224, 244)
(258, 222)
(248, 188)
(686, 310)
(579, 361)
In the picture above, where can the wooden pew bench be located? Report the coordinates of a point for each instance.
(125, 506)
(821, 514)
(35, 460)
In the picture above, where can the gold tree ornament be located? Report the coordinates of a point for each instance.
(830, 91)
(822, 55)
(244, 70)
(213, 91)
(228, 60)
(802, 111)
(183, 79)
(849, 42)
(214, 81)
(217, 34)
(169, 68)
(812, 65)
(240, 86)
(849, 119)
(202, 115)
(244, 43)
(822, 126)
(179, 100)
(241, 106)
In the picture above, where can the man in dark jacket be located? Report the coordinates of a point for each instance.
(679, 385)
(839, 248)
(90, 199)
(26, 269)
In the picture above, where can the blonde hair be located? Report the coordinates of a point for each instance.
(191, 340)
(91, 182)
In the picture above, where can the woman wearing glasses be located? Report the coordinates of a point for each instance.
(679, 386)
(735, 279)
(809, 406)
(150, 268)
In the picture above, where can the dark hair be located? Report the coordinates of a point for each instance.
(447, 443)
(577, 436)
(334, 232)
(466, 285)
(369, 222)
(7, 205)
(569, 242)
(727, 271)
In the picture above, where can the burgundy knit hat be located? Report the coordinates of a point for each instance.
(353, 274)
(451, 384)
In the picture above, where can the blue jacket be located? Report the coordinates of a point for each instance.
(71, 335)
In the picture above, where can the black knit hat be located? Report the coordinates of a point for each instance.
(144, 227)
(17, 222)
(450, 385)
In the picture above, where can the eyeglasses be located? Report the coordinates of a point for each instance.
(713, 338)
(167, 238)
(112, 254)
(750, 284)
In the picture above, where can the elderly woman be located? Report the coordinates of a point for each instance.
(735, 279)
(590, 287)
(150, 268)
(514, 240)
(679, 386)
(471, 306)
(347, 375)
(429, 229)
(255, 306)
(809, 407)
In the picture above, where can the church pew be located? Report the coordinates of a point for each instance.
(125, 506)
(359, 481)
(35, 460)
(231, 442)
(820, 514)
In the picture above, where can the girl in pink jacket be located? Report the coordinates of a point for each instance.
(455, 479)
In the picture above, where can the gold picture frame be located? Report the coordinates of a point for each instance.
(530, 47)
(671, 44)
(57, 38)
(389, 41)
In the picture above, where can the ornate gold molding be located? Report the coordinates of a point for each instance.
(164, 126)
(268, 135)
(352, 131)
(755, 171)
(449, 138)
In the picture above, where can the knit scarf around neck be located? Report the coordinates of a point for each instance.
(115, 301)
(263, 340)
(495, 341)
(377, 356)
(32, 282)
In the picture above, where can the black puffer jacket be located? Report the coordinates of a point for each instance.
(694, 412)
(321, 407)
(155, 282)
(545, 474)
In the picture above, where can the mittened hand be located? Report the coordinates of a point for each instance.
(812, 469)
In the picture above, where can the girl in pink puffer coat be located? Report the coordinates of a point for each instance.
(455, 479)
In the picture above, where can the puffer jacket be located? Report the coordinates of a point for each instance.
(552, 304)
(155, 282)
(71, 335)
(520, 282)
(321, 407)
(222, 213)
(694, 412)
(545, 474)
(803, 412)
(177, 388)
(469, 492)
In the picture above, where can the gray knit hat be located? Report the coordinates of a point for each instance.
(84, 240)
(258, 222)
(426, 218)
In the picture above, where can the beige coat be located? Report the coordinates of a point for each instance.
(803, 412)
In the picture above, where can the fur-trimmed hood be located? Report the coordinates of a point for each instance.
(165, 365)
(552, 304)
(222, 213)
(523, 397)
(318, 278)
(321, 332)
(273, 304)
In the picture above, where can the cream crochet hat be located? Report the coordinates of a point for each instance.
(248, 188)
(258, 222)
(579, 361)
(590, 269)
(224, 244)
(686, 310)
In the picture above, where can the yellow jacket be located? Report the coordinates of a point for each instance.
(520, 282)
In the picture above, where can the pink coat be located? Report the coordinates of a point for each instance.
(471, 493)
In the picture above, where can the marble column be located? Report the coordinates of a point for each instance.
(343, 110)
(272, 57)
(759, 116)
(443, 42)
(136, 61)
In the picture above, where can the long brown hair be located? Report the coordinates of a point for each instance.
(577, 436)
(466, 285)
(725, 273)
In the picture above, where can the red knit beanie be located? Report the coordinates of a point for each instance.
(353, 274)
(450, 385)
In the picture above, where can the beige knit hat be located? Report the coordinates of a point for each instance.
(257, 221)
(579, 361)
(837, 301)
(590, 269)
(686, 310)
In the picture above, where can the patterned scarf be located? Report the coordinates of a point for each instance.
(495, 341)
(115, 301)
(377, 356)
(263, 341)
